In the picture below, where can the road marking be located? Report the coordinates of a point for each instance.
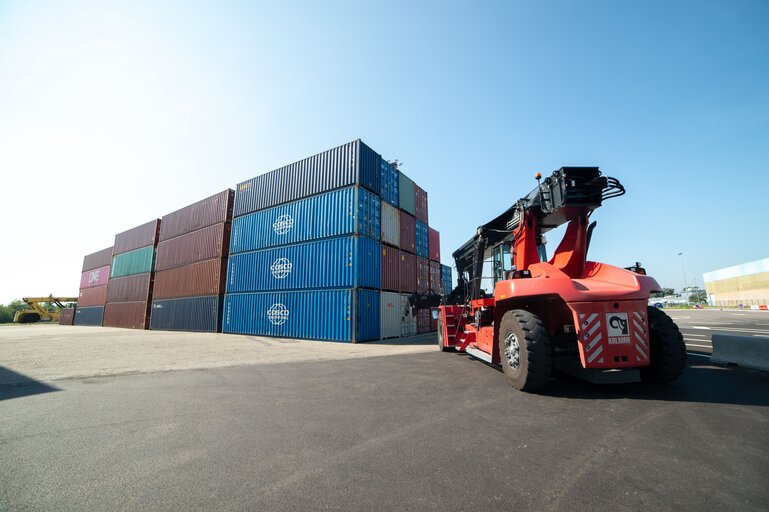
(698, 355)
(700, 327)
(695, 334)
(760, 335)
(695, 345)
(740, 329)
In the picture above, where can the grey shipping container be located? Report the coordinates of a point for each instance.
(391, 225)
(390, 315)
(206, 212)
(198, 314)
(135, 238)
(407, 194)
(89, 316)
(351, 164)
(97, 259)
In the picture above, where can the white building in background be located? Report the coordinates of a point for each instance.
(746, 285)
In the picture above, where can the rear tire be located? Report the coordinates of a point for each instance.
(667, 351)
(28, 318)
(524, 350)
(441, 346)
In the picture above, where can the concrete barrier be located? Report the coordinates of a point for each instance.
(746, 351)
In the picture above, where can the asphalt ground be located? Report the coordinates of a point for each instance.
(699, 325)
(415, 430)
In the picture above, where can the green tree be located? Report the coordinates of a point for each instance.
(664, 293)
(9, 310)
(697, 297)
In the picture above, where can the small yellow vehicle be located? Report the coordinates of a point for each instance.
(42, 308)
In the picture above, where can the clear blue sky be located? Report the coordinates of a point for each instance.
(162, 103)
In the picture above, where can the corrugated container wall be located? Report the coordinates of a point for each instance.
(436, 285)
(349, 211)
(423, 321)
(95, 277)
(421, 239)
(420, 203)
(133, 262)
(97, 259)
(408, 272)
(350, 164)
(406, 194)
(335, 315)
(434, 243)
(390, 269)
(206, 212)
(129, 315)
(92, 296)
(196, 314)
(67, 316)
(408, 232)
(408, 317)
(346, 262)
(197, 279)
(391, 225)
(423, 275)
(389, 180)
(390, 315)
(89, 316)
(135, 238)
(135, 288)
(204, 244)
(447, 281)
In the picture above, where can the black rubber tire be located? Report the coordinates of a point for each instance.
(667, 356)
(535, 362)
(441, 346)
(29, 318)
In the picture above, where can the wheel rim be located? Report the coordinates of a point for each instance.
(512, 351)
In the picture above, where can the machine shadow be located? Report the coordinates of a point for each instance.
(701, 382)
(430, 338)
(17, 385)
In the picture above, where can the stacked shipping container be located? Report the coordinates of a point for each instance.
(93, 288)
(129, 292)
(190, 267)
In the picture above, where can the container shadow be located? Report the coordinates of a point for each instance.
(17, 385)
(429, 338)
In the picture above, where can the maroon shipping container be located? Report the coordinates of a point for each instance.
(201, 245)
(129, 315)
(135, 288)
(98, 259)
(67, 316)
(92, 296)
(423, 321)
(408, 273)
(408, 232)
(420, 203)
(390, 269)
(196, 280)
(423, 275)
(136, 238)
(434, 244)
(435, 278)
(96, 277)
(207, 212)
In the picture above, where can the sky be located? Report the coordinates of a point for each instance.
(116, 113)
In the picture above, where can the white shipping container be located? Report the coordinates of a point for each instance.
(391, 225)
(390, 315)
(408, 317)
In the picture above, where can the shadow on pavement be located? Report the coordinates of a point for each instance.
(429, 338)
(701, 382)
(17, 385)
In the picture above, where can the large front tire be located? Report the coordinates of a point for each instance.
(441, 345)
(667, 356)
(524, 350)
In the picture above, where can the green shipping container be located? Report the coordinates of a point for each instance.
(406, 194)
(129, 263)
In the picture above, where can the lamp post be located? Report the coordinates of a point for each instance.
(683, 271)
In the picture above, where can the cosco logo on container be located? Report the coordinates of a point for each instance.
(281, 267)
(283, 224)
(277, 314)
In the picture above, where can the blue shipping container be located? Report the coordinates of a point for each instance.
(348, 211)
(423, 239)
(447, 281)
(389, 180)
(346, 262)
(351, 164)
(89, 316)
(333, 315)
(199, 314)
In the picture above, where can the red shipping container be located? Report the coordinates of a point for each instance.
(92, 296)
(129, 315)
(408, 272)
(134, 288)
(435, 278)
(423, 321)
(67, 316)
(207, 212)
(434, 244)
(204, 244)
(96, 277)
(408, 232)
(136, 238)
(195, 280)
(98, 259)
(420, 203)
(423, 275)
(390, 269)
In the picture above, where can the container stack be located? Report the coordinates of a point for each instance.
(191, 266)
(93, 288)
(305, 251)
(129, 293)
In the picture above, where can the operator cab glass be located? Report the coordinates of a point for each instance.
(502, 262)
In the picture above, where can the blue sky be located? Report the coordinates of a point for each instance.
(116, 113)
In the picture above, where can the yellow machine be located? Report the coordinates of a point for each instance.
(37, 311)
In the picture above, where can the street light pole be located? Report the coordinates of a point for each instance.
(683, 271)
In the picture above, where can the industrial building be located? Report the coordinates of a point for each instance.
(745, 285)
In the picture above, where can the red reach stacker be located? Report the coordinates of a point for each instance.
(584, 318)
